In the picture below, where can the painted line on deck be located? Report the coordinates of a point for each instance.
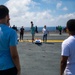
(42, 41)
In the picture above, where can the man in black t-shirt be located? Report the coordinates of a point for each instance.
(15, 28)
(21, 33)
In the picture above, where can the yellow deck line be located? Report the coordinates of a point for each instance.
(42, 41)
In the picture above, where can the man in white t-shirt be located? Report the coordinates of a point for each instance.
(45, 32)
(67, 64)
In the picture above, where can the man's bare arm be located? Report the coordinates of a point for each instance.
(15, 57)
(63, 64)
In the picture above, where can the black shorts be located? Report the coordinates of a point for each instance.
(11, 71)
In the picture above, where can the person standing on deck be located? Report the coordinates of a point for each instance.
(67, 64)
(32, 31)
(9, 58)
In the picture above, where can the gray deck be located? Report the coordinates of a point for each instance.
(40, 59)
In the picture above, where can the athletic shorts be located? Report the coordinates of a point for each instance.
(11, 71)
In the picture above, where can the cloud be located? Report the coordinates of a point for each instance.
(47, 1)
(65, 9)
(58, 5)
(62, 19)
(22, 13)
(18, 6)
(19, 11)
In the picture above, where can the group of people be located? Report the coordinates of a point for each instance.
(44, 30)
(9, 58)
(21, 31)
(33, 31)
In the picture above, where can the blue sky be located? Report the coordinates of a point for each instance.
(69, 4)
(41, 12)
(3, 1)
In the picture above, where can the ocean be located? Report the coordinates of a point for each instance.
(27, 29)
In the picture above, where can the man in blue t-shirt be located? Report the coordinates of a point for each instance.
(9, 59)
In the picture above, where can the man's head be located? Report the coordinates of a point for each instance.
(31, 23)
(71, 26)
(44, 26)
(4, 14)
